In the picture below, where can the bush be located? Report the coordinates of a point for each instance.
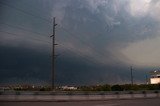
(116, 88)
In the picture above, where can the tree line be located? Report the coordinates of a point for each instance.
(125, 87)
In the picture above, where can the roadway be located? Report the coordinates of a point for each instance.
(120, 102)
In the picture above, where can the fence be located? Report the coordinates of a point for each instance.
(74, 95)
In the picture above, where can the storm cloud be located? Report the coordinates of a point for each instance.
(98, 40)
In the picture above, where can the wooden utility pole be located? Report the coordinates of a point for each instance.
(131, 75)
(53, 55)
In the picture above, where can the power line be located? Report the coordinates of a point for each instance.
(36, 9)
(41, 18)
(79, 39)
(68, 49)
(9, 33)
(80, 55)
(21, 28)
(23, 11)
(19, 35)
(28, 14)
(91, 60)
(18, 9)
(71, 49)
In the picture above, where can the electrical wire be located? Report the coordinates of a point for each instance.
(21, 28)
(35, 38)
(23, 11)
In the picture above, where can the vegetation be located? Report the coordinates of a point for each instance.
(125, 87)
(106, 87)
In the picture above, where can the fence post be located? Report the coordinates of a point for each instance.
(118, 96)
(157, 93)
(102, 95)
(132, 94)
(145, 93)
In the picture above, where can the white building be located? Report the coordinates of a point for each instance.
(155, 77)
(69, 88)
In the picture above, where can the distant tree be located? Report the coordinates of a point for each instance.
(154, 86)
(86, 88)
(126, 87)
(117, 88)
(106, 87)
(135, 87)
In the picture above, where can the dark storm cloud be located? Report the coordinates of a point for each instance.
(95, 50)
(107, 26)
(23, 64)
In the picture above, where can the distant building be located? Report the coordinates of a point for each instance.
(3, 88)
(69, 88)
(155, 77)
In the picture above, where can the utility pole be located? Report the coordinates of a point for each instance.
(147, 79)
(53, 55)
(131, 76)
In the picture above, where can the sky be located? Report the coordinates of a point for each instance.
(98, 41)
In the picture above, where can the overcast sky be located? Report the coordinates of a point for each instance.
(98, 40)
